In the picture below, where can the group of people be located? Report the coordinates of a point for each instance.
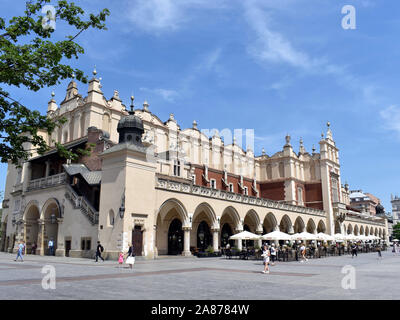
(129, 257)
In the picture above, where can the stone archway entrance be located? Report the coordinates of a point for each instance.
(175, 237)
(226, 232)
(31, 221)
(51, 218)
(204, 238)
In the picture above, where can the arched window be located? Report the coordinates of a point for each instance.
(281, 170)
(106, 122)
(300, 196)
(111, 218)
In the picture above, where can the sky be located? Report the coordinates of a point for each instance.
(278, 67)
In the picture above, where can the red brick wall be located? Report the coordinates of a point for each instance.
(313, 193)
(273, 190)
(93, 162)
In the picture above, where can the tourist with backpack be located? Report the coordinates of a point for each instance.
(99, 250)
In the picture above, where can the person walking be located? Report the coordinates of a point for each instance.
(51, 247)
(378, 249)
(353, 250)
(273, 254)
(99, 250)
(130, 256)
(303, 253)
(266, 256)
(121, 259)
(20, 252)
(34, 247)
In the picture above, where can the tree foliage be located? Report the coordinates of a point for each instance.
(29, 58)
(396, 231)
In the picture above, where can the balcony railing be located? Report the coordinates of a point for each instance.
(166, 184)
(47, 182)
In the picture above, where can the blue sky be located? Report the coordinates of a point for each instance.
(276, 67)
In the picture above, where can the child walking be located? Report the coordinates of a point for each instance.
(121, 259)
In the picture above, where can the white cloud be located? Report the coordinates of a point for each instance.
(272, 46)
(391, 116)
(156, 16)
(166, 94)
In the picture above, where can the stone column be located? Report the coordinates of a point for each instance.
(47, 168)
(186, 241)
(155, 249)
(27, 174)
(259, 241)
(60, 250)
(215, 239)
(40, 241)
(239, 244)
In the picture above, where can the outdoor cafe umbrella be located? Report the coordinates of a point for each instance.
(245, 235)
(324, 237)
(304, 236)
(276, 235)
(339, 237)
(351, 237)
(362, 237)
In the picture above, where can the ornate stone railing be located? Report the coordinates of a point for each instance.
(80, 202)
(365, 220)
(170, 185)
(47, 182)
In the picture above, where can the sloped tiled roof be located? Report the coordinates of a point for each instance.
(91, 177)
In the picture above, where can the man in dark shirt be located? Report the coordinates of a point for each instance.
(99, 250)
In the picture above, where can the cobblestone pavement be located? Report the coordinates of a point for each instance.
(179, 278)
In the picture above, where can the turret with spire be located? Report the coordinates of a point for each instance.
(130, 127)
(94, 91)
(52, 106)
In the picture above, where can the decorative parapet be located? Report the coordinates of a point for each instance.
(365, 220)
(185, 187)
(47, 182)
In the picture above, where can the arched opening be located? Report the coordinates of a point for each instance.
(229, 217)
(203, 220)
(251, 221)
(356, 230)
(366, 231)
(4, 232)
(226, 232)
(170, 210)
(299, 225)
(31, 220)
(321, 227)
(361, 230)
(286, 225)
(175, 237)
(349, 229)
(51, 216)
(204, 238)
(311, 226)
(337, 227)
(270, 223)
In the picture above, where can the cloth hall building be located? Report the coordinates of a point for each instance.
(165, 189)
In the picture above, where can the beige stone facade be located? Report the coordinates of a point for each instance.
(180, 192)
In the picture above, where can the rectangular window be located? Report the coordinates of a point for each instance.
(194, 178)
(177, 168)
(300, 196)
(88, 244)
(335, 193)
(231, 187)
(83, 244)
(213, 184)
(246, 191)
(17, 205)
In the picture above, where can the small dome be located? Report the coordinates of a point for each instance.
(130, 121)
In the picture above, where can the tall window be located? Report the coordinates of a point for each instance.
(111, 218)
(194, 178)
(177, 168)
(213, 184)
(246, 191)
(335, 192)
(231, 187)
(300, 196)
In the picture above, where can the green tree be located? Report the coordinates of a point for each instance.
(30, 58)
(396, 231)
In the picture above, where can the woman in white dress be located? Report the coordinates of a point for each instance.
(266, 255)
(130, 256)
